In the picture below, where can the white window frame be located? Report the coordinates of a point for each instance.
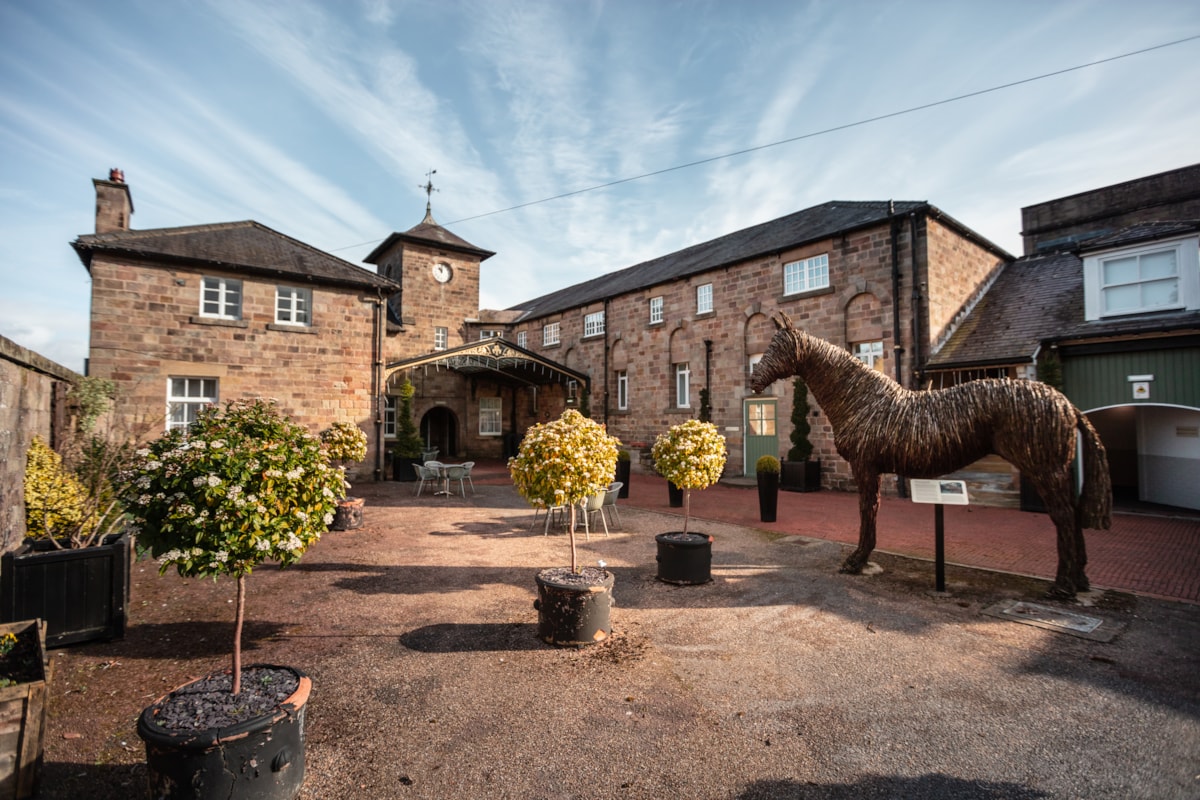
(683, 385)
(656, 310)
(522, 338)
(593, 324)
(1187, 277)
(197, 393)
(704, 298)
(869, 353)
(220, 298)
(389, 416)
(622, 390)
(550, 334)
(441, 337)
(806, 274)
(490, 416)
(490, 333)
(293, 306)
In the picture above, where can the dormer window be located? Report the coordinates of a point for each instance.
(1160, 276)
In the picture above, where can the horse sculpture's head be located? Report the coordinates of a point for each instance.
(780, 359)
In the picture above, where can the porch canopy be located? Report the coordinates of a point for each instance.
(495, 359)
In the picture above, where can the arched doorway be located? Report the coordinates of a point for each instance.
(439, 429)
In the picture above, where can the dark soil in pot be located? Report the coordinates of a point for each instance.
(207, 703)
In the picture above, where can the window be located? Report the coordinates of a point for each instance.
(389, 416)
(221, 298)
(704, 299)
(572, 391)
(441, 338)
(593, 324)
(623, 390)
(490, 334)
(293, 306)
(550, 334)
(521, 339)
(656, 310)
(806, 274)
(185, 398)
(753, 361)
(489, 416)
(683, 386)
(870, 353)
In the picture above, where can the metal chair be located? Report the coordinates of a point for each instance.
(456, 473)
(592, 507)
(429, 455)
(467, 465)
(426, 474)
(610, 504)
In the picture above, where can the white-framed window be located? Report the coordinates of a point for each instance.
(185, 397)
(806, 274)
(1160, 276)
(593, 324)
(550, 334)
(490, 334)
(221, 298)
(683, 385)
(489, 416)
(623, 390)
(572, 391)
(293, 306)
(870, 353)
(751, 363)
(704, 299)
(656, 310)
(522, 338)
(389, 416)
(441, 337)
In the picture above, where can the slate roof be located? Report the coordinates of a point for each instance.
(810, 225)
(245, 247)
(1039, 298)
(427, 232)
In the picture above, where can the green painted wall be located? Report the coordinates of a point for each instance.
(1098, 381)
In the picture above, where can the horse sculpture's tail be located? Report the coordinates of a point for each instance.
(1095, 499)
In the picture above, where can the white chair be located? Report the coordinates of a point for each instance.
(429, 455)
(591, 508)
(456, 472)
(467, 465)
(426, 474)
(610, 504)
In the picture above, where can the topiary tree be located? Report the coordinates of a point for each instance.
(408, 442)
(801, 448)
(690, 455)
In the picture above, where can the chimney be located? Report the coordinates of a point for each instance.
(114, 206)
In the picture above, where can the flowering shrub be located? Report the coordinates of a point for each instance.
(242, 485)
(564, 462)
(54, 498)
(690, 455)
(345, 443)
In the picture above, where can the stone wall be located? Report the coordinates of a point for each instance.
(32, 401)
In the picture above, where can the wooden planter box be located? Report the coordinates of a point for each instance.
(81, 594)
(800, 476)
(23, 724)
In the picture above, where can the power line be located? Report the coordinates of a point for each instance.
(823, 132)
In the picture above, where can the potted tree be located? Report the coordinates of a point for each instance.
(766, 474)
(345, 443)
(73, 568)
(244, 485)
(800, 472)
(690, 455)
(562, 463)
(406, 450)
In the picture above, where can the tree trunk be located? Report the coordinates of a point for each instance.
(237, 634)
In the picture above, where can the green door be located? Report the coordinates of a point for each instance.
(761, 436)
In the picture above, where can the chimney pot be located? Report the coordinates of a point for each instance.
(116, 175)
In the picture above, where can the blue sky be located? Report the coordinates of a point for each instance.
(320, 120)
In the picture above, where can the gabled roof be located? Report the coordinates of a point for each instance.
(499, 359)
(802, 227)
(1039, 299)
(427, 232)
(247, 247)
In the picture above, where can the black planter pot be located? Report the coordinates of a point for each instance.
(768, 495)
(675, 495)
(684, 558)
(574, 612)
(623, 476)
(402, 468)
(349, 515)
(261, 758)
(800, 476)
(81, 594)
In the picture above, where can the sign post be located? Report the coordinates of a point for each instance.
(940, 493)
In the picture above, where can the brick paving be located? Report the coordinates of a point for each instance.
(1152, 555)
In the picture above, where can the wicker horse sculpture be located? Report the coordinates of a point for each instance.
(881, 427)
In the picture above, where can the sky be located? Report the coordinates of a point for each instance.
(321, 120)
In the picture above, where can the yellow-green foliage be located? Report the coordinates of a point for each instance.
(690, 455)
(344, 442)
(767, 464)
(54, 499)
(564, 461)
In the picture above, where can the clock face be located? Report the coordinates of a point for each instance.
(441, 272)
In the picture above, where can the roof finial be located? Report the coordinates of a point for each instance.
(429, 190)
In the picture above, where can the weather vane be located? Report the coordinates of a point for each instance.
(429, 190)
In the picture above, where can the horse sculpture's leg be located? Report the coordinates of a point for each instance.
(868, 509)
(1070, 577)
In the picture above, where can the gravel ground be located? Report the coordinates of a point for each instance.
(780, 679)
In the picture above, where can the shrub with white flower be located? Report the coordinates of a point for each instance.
(244, 484)
(690, 455)
(563, 463)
